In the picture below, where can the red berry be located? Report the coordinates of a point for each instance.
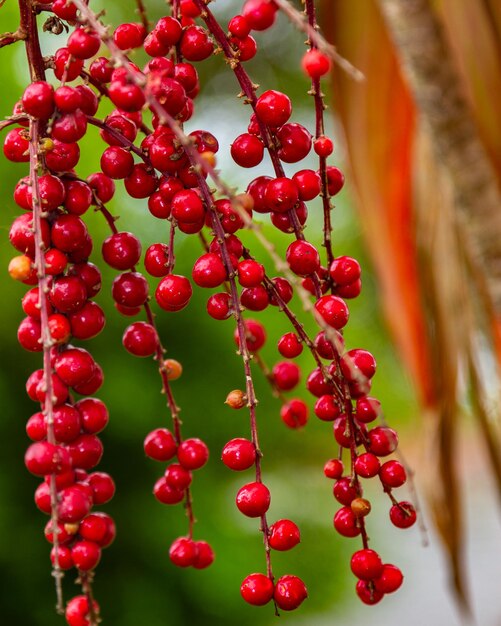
(74, 366)
(257, 589)
(38, 99)
(209, 271)
(192, 453)
(345, 522)
(43, 458)
(196, 45)
(344, 491)
(260, 14)
(140, 339)
(281, 195)
(160, 445)
(290, 346)
(284, 535)
(247, 150)
(255, 335)
(358, 365)
(390, 580)
(253, 499)
(205, 555)
(295, 413)
(168, 31)
(130, 289)
(366, 564)
(83, 44)
(177, 477)
(87, 322)
(344, 270)
(382, 440)
(295, 143)
(102, 486)
(74, 504)
(308, 184)
(239, 454)
(367, 409)
(85, 555)
(86, 451)
(367, 592)
(166, 494)
(128, 36)
(335, 180)
(121, 250)
(315, 64)
(303, 258)
(326, 408)
(333, 310)
(333, 468)
(183, 552)
(392, 474)
(403, 515)
(367, 465)
(286, 375)
(290, 592)
(273, 107)
(173, 292)
(219, 306)
(93, 415)
(323, 146)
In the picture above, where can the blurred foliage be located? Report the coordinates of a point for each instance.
(135, 581)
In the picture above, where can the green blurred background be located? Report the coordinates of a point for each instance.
(135, 581)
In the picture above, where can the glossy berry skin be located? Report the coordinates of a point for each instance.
(38, 99)
(257, 589)
(160, 445)
(333, 310)
(250, 273)
(74, 366)
(345, 522)
(345, 270)
(130, 289)
(295, 143)
(205, 555)
(333, 468)
(247, 150)
(286, 375)
(303, 258)
(121, 250)
(77, 609)
(273, 108)
(335, 180)
(344, 491)
(85, 555)
(290, 592)
(253, 499)
(173, 292)
(392, 474)
(281, 194)
(166, 494)
(326, 408)
(382, 440)
(295, 413)
(308, 184)
(192, 454)
(358, 365)
(403, 515)
(219, 306)
(209, 271)
(390, 580)
(239, 454)
(284, 535)
(315, 64)
(367, 409)
(183, 552)
(177, 477)
(367, 593)
(93, 415)
(156, 260)
(366, 564)
(140, 339)
(87, 322)
(290, 346)
(196, 44)
(43, 458)
(367, 465)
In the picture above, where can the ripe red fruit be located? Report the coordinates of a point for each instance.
(102, 486)
(130, 289)
(247, 150)
(284, 535)
(196, 45)
(239, 454)
(358, 365)
(390, 580)
(333, 468)
(257, 589)
(173, 292)
(315, 64)
(250, 273)
(177, 477)
(367, 465)
(344, 491)
(295, 413)
(290, 346)
(205, 555)
(209, 271)
(308, 184)
(333, 310)
(335, 180)
(192, 453)
(77, 609)
(286, 375)
(403, 515)
(290, 592)
(382, 440)
(366, 564)
(128, 36)
(140, 339)
(74, 366)
(273, 108)
(367, 592)
(160, 445)
(121, 250)
(219, 306)
(345, 522)
(183, 552)
(38, 99)
(303, 258)
(295, 143)
(43, 458)
(87, 322)
(74, 504)
(326, 408)
(85, 555)
(367, 409)
(166, 494)
(83, 43)
(86, 451)
(281, 194)
(323, 146)
(253, 499)
(93, 415)
(392, 474)
(344, 270)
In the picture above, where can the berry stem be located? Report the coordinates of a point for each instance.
(85, 579)
(322, 44)
(141, 11)
(320, 107)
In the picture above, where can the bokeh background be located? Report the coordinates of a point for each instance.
(135, 581)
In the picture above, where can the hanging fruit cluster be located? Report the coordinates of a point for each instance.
(145, 146)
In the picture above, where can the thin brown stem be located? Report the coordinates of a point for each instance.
(321, 43)
(141, 10)
(7, 38)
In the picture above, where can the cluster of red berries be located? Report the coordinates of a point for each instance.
(168, 169)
